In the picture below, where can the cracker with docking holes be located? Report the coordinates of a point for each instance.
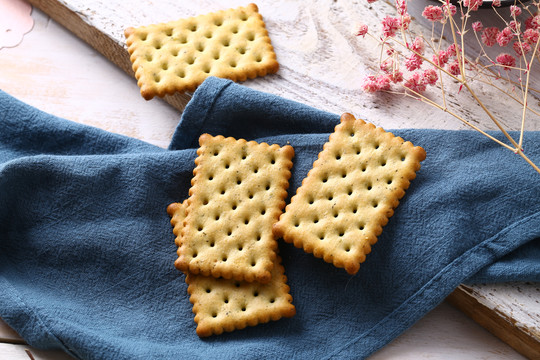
(238, 192)
(350, 193)
(179, 55)
(226, 305)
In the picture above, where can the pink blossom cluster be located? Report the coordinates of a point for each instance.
(405, 21)
(374, 83)
(390, 26)
(439, 13)
(522, 42)
(433, 13)
(453, 68)
(417, 82)
(449, 59)
(477, 26)
(362, 30)
(430, 77)
(504, 37)
(423, 70)
(489, 36)
(440, 58)
(413, 62)
(401, 7)
(449, 9)
(533, 22)
(506, 60)
(473, 5)
(515, 10)
(415, 59)
(418, 45)
(514, 25)
(452, 50)
(531, 36)
(521, 48)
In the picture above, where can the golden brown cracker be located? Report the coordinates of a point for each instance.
(179, 55)
(226, 305)
(238, 192)
(350, 193)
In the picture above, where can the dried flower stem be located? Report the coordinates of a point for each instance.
(453, 61)
(518, 151)
(461, 60)
(487, 82)
(525, 98)
(446, 110)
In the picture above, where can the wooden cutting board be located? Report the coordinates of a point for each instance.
(313, 40)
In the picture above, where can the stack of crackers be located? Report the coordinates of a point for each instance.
(224, 234)
(227, 230)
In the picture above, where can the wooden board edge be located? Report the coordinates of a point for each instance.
(26, 352)
(107, 46)
(8, 335)
(497, 323)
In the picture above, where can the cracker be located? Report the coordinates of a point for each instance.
(238, 192)
(177, 212)
(226, 305)
(179, 55)
(350, 193)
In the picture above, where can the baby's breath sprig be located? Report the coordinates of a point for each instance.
(410, 64)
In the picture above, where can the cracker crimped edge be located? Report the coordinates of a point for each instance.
(177, 213)
(150, 91)
(183, 262)
(284, 308)
(280, 229)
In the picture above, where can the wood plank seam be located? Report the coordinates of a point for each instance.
(108, 47)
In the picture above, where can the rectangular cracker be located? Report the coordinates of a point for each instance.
(238, 192)
(225, 305)
(179, 55)
(350, 193)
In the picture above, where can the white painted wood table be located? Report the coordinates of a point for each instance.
(58, 73)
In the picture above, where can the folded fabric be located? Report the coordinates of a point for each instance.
(87, 250)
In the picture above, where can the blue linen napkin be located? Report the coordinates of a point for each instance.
(87, 250)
